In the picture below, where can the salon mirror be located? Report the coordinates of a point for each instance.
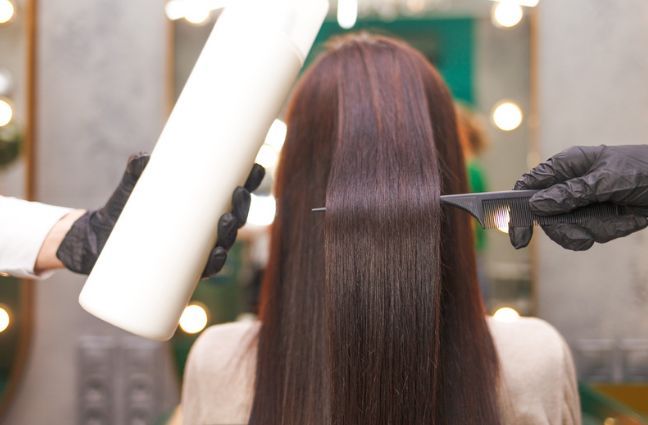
(16, 25)
(484, 55)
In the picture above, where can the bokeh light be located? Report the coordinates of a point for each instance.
(5, 319)
(268, 157)
(6, 82)
(506, 314)
(7, 11)
(174, 10)
(506, 14)
(507, 115)
(194, 319)
(263, 210)
(527, 3)
(6, 112)
(415, 6)
(196, 13)
(277, 135)
(347, 13)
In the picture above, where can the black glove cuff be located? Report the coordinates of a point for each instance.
(78, 250)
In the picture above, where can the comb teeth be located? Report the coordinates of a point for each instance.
(502, 213)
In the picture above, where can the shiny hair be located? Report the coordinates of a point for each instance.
(370, 312)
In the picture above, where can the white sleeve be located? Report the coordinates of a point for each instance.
(23, 228)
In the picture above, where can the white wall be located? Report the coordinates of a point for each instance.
(593, 71)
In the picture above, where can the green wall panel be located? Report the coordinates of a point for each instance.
(447, 42)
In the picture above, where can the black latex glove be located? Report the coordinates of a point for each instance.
(85, 240)
(584, 175)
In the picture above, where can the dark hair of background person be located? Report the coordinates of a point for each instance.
(371, 312)
(471, 132)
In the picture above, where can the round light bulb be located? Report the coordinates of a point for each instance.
(263, 210)
(5, 319)
(174, 10)
(277, 135)
(268, 157)
(506, 314)
(347, 13)
(507, 14)
(6, 112)
(196, 12)
(507, 115)
(6, 82)
(415, 6)
(217, 4)
(7, 11)
(194, 319)
(528, 3)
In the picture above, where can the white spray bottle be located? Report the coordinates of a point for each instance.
(155, 255)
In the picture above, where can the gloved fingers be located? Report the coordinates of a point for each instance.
(79, 248)
(135, 167)
(227, 230)
(540, 177)
(215, 263)
(521, 185)
(581, 237)
(606, 229)
(109, 214)
(255, 178)
(520, 236)
(568, 164)
(631, 210)
(570, 236)
(564, 197)
(241, 200)
(229, 223)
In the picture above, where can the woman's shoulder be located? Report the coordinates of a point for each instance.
(525, 335)
(220, 345)
(529, 347)
(219, 374)
(227, 337)
(537, 371)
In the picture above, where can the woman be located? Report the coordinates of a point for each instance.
(370, 312)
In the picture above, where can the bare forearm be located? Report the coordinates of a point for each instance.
(46, 259)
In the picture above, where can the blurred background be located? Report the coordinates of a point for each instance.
(85, 84)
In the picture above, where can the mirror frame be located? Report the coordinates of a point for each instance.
(533, 121)
(28, 155)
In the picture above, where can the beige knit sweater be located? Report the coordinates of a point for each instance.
(538, 384)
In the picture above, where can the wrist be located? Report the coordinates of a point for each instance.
(47, 259)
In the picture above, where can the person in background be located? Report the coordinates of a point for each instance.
(36, 239)
(473, 144)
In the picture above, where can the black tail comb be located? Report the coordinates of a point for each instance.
(499, 210)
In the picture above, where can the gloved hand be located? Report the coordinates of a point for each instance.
(85, 240)
(583, 175)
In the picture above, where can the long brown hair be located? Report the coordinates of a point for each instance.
(371, 312)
